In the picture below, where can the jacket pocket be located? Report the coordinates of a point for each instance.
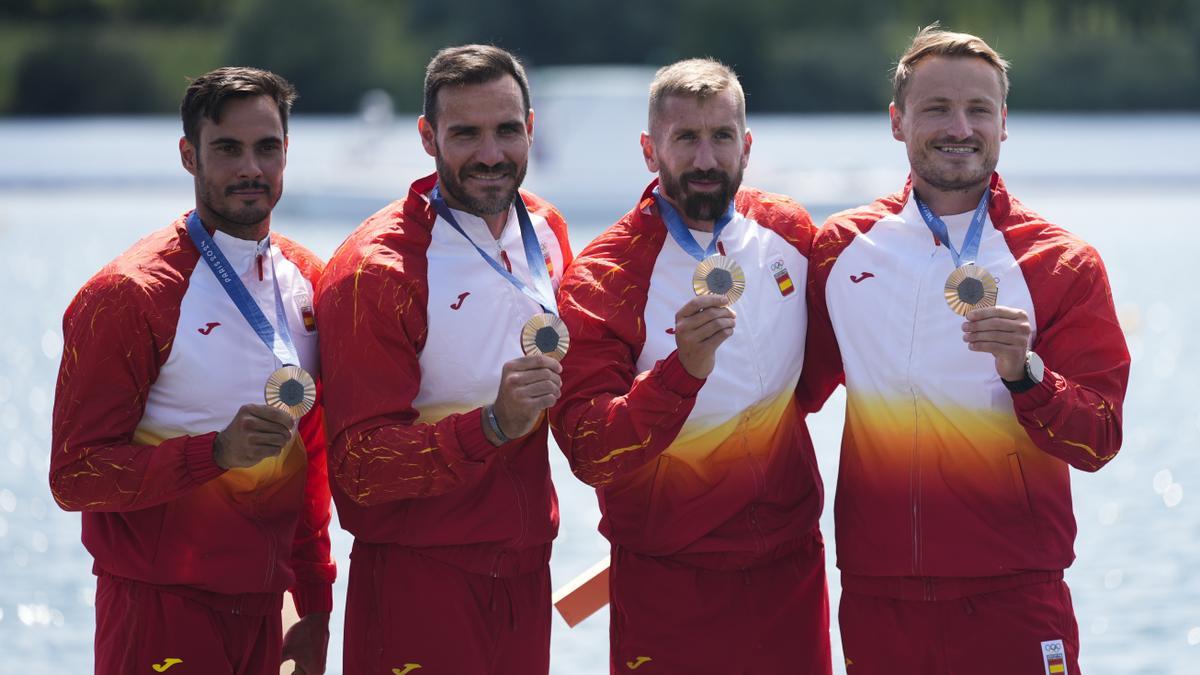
(655, 508)
(1019, 488)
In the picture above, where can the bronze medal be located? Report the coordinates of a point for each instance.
(291, 388)
(545, 334)
(970, 287)
(719, 275)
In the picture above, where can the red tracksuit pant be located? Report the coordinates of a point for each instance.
(406, 612)
(1027, 629)
(140, 629)
(669, 617)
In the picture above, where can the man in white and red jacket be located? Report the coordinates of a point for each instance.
(201, 504)
(953, 509)
(438, 453)
(682, 412)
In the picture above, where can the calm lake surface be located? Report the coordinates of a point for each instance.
(74, 194)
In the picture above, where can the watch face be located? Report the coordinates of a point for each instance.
(1034, 368)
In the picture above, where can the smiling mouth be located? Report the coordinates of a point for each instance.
(956, 149)
(490, 177)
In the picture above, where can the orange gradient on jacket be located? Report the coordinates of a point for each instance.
(905, 446)
(260, 480)
(701, 457)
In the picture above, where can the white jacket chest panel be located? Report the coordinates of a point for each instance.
(897, 335)
(475, 315)
(765, 354)
(217, 362)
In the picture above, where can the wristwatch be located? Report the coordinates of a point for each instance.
(1035, 371)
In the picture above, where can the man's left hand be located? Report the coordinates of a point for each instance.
(306, 643)
(1002, 332)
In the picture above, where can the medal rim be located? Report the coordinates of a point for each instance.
(727, 263)
(991, 288)
(276, 381)
(545, 320)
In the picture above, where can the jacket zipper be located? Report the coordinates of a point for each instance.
(915, 469)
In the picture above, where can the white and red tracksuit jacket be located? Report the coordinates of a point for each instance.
(156, 360)
(415, 329)
(944, 472)
(717, 471)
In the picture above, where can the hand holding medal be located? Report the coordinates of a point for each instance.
(527, 386)
(289, 388)
(706, 321)
(969, 286)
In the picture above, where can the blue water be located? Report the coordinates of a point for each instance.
(74, 194)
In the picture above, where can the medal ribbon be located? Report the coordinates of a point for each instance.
(683, 236)
(543, 291)
(970, 249)
(278, 341)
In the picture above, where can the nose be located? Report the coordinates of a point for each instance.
(958, 127)
(706, 156)
(490, 152)
(249, 167)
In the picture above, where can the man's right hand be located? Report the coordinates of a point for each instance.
(700, 327)
(528, 386)
(257, 432)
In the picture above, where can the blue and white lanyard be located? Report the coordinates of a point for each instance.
(683, 236)
(278, 341)
(970, 249)
(543, 293)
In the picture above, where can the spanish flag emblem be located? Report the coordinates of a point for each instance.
(782, 278)
(1055, 655)
(305, 307)
(546, 255)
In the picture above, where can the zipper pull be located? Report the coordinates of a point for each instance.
(504, 257)
(260, 267)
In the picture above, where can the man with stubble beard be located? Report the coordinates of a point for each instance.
(982, 359)
(201, 504)
(687, 323)
(438, 453)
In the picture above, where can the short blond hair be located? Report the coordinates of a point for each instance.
(933, 41)
(697, 78)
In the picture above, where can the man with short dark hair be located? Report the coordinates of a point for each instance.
(687, 322)
(953, 508)
(439, 354)
(205, 325)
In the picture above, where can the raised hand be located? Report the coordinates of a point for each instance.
(701, 326)
(528, 386)
(257, 431)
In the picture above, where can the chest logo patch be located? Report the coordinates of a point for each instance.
(783, 279)
(208, 327)
(546, 256)
(305, 307)
(861, 277)
(461, 297)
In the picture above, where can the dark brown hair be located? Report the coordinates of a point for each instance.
(207, 94)
(470, 64)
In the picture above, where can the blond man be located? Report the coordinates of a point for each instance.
(680, 408)
(982, 359)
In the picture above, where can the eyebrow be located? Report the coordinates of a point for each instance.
(227, 140)
(945, 99)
